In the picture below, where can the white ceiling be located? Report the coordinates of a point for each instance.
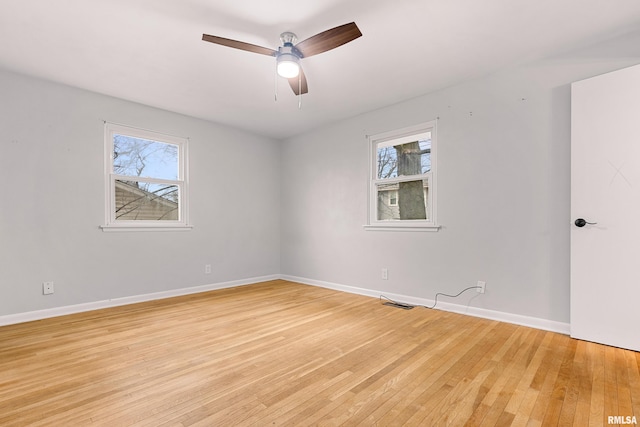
(150, 51)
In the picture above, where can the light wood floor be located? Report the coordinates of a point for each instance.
(280, 353)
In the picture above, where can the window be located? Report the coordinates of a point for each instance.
(146, 185)
(402, 180)
(393, 198)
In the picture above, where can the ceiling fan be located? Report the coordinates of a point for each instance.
(288, 55)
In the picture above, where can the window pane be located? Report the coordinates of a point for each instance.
(387, 162)
(403, 201)
(387, 210)
(403, 159)
(425, 156)
(143, 201)
(144, 158)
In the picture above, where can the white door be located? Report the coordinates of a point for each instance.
(605, 189)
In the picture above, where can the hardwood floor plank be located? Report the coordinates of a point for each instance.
(610, 383)
(522, 391)
(625, 404)
(559, 396)
(583, 371)
(596, 409)
(282, 353)
(546, 377)
(522, 416)
(633, 370)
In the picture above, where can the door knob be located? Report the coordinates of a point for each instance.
(580, 222)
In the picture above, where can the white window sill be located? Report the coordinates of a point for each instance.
(401, 227)
(119, 228)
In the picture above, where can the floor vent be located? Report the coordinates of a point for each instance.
(399, 305)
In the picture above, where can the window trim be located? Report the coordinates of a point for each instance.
(111, 224)
(403, 225)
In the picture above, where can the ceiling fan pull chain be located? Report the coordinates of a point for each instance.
(275, 89)
(299, 91)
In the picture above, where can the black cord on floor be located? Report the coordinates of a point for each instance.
(436, 298)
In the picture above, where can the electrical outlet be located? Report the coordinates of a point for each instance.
(47, 288)
(481, 285)
(385, 274)
(207, 269)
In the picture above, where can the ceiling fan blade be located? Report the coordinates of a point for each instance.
(299, 87)
(239, 45)
(329, 39)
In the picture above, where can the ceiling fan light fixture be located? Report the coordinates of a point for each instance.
(288, 65)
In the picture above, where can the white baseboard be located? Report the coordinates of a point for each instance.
(517, 319)
(533, 322)
(115, 302)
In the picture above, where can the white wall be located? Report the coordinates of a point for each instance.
(503, 192)
(52, 202)
(298, 206)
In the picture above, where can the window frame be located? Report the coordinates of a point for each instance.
(113, 224)
(402, 135)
